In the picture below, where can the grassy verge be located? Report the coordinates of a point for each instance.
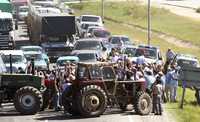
(191, 112)
(162, 20)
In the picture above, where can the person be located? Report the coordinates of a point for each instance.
(149, 78)
(20, 71)
(173, 77)
(157, 91)
(167, 85)
(169, 55)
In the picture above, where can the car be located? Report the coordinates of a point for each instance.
(186, 60)
(61, 61)
(102, 33)
(89, 30)
(36, 49)
(84, 21)
(152, 54)
(17, 58)
(39, 61)
(119, 41)
(91, 44)
(129, 50)
(86, 55)
(23, 12)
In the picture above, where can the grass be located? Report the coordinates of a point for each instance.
(191, 111)
(162, 20)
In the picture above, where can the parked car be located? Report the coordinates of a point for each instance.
(36, 49)
(151, 54)
(39, 61)
(23, 12)
(61, 61)
(92, 44)
(102, 33)
(84, 21)
(90, 29)
(185, 60)
(119, 41)
(17, 57)
(86, 55)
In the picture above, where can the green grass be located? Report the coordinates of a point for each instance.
(162, 20)
(191, 111)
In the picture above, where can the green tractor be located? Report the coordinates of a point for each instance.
(22, 89)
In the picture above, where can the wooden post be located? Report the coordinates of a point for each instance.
(182, 98)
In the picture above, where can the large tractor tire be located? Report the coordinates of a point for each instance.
(28, 100)
(92, 101)
(69, 103)
(143, 104)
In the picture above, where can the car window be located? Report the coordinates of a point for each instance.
(130, 51)
(82, 72)
(15, 58)
(88, 45)
(115, 40)
(96, 72)
(126, 40)
(101, 33)
(90, 19)
(108, 73)
(148, 53)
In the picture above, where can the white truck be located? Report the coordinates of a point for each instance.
(6, 31)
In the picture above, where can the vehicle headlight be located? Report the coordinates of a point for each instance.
(10, 44)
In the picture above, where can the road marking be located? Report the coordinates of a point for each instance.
(130, 119)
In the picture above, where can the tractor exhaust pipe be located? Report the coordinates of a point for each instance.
(10, 64)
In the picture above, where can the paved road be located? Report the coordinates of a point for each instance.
(8, 114)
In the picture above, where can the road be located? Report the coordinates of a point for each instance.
(8, 114)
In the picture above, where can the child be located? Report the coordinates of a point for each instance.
(157, 96)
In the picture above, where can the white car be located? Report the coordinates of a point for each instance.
(23, 12)
(18, 59)
(84, 21)
(151, 54)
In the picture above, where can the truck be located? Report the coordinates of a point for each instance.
(52, 31)
(24, 90)
(5, 6)
(6, 31)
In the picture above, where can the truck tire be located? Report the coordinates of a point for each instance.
(69, 103)
(28, 100)
(92, 101)
(143, 104)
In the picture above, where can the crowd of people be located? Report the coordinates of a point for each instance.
(161, 79)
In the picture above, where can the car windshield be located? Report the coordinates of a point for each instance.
(15, 58)
(63, 62)
(90, 19)
(6, 25)
(130, 51)
(87, 57)
(101, 33)
(36, 57)
(32, 49)
(126, 40)
(88, 45)
(23, 9)
(115, 40)
(148, 53)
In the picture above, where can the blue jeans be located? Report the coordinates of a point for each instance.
(173, 93)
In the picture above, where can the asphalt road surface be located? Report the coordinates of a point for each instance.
(9, 114)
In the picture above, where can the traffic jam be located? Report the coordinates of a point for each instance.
(74, 64)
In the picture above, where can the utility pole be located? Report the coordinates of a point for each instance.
(149, 22)
(102, 9)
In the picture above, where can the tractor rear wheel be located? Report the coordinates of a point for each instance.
(92, 101)
(143, 105)
(28, 100)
